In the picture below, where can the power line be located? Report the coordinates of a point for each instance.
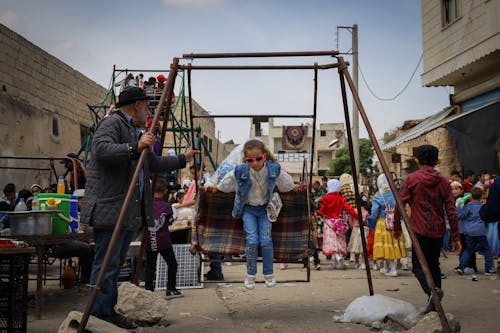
(400, 92)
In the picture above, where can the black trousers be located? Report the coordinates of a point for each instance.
(169, 257)
(431, 247)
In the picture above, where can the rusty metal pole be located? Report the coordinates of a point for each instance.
(355, 178)
(172, 75)
(126, 204)
(385, 168)
(315, 109)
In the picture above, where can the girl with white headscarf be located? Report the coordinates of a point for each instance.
(386, 247)
(334, 229)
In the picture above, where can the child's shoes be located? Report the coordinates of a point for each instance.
(249, 282)
(269, 280)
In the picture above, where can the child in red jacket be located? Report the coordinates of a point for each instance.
(335, 226)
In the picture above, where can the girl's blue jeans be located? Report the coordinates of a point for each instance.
(258, 230)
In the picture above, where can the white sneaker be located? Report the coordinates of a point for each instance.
(405, 267)
(391, 273)
(249, 282)
(362, 267)
(375, 267)
(269, 280)
(383, 270)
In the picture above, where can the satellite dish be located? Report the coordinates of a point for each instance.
(334, 141)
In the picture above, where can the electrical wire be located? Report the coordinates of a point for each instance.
(400, 92)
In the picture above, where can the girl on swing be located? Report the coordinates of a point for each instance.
(335, 228)
(254, 182)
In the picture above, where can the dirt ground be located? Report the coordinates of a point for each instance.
(292, 306)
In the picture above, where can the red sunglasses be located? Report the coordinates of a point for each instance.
(254, 159)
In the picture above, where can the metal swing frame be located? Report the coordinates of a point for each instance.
(344, 75)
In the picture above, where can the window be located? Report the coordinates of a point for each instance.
(84, 133)
(451, 11)
(292, 157)
(55, 126)
(322, 133)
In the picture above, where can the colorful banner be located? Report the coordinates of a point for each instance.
(294, 137)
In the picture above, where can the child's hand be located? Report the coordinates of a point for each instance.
(212, 189)
(456, 247)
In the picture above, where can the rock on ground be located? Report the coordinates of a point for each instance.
(142, 306)
(94, 324)
(430, 323)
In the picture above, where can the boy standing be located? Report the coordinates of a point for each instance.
(429, 195)
(158, 241)
(475, 232)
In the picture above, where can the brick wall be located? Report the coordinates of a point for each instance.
(37, 92)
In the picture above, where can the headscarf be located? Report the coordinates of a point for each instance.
(383, 184)
(456, 184)
(333, 186)
(36, 185)
(346, 179)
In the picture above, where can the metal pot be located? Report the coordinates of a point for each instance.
(31, 223)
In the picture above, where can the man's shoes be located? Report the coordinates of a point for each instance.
(214, 276)
(490, 273)
(122, 322)
(430, 303)
(174, 294)
(317, 267)
(459, 271)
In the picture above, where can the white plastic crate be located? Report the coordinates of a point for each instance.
(187, 269)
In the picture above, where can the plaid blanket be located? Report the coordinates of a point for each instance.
(218, 233)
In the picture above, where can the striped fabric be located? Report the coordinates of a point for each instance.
(220, 234)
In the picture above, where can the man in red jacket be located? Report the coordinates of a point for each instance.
(429, 195)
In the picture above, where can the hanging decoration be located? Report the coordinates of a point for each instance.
(294, 137)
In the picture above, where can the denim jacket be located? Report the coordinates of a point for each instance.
(244, 183)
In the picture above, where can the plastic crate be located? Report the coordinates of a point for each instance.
(13, 292)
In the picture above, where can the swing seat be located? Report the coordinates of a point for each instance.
(218, 233)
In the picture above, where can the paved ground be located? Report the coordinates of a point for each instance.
(293, 307)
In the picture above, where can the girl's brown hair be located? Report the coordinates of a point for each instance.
(254, 143)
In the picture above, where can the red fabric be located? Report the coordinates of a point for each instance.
(428, 193)
(467, 186)
(370, 242)
(331, 206)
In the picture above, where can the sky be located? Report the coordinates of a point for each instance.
(92, 36)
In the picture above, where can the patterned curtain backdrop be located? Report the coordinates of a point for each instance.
(294, 137)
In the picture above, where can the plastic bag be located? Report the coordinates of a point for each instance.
(228, 165)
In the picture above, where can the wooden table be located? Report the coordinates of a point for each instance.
(41, 245)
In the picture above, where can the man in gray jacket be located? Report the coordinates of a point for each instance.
(116, 147)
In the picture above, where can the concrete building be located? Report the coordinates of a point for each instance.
(44, 113)
(329, 138)
(43, 109)
(461, 45)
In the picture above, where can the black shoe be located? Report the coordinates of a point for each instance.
(174, 294)
(430, 304)
(214, 276)
(122, 322)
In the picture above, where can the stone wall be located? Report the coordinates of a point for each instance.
(42, 108)
(441, 138)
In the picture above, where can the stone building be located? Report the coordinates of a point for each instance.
(44, 113)
(461, 45)
(329, 138)
(43, 109)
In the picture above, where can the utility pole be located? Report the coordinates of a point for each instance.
(217, 150)
(355, 111)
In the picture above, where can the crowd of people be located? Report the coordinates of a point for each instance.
(456, 214)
